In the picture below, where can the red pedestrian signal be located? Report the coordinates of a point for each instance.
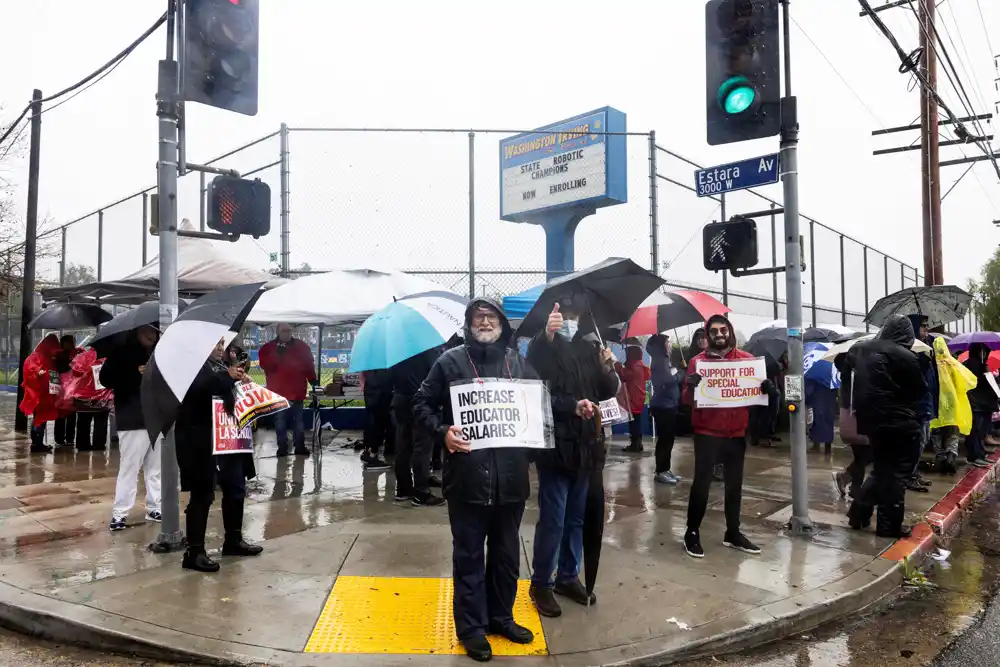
(239, 206)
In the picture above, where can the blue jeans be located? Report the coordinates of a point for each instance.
(562, 499)
(281, 419)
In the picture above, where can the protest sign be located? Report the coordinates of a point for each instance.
(612, 413)
(730, 383)
(227, 436)
(96, 372)
(991, 381)
(254, 401)
(494, 412)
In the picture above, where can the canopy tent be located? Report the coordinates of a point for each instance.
(203, 265)
(516, 306)
(344, 296)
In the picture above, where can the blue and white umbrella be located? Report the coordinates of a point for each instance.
(818, 369)
(407, 327)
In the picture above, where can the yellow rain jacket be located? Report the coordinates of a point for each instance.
(955, 380)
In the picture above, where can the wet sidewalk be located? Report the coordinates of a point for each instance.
(349, 577)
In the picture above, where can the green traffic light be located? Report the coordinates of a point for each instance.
(736, 95)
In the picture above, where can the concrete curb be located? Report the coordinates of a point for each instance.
(948, 511)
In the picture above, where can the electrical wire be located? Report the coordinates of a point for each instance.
(111, 64)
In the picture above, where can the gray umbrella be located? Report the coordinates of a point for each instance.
(113, 333)
(941, 304)
(70, 316)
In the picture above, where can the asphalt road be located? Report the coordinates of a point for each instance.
(979, 646)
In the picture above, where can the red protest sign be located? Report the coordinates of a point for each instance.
(227, 436)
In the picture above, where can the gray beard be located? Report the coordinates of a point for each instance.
(486, 338)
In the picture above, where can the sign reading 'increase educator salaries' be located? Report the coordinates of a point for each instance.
(502, 413)
(730, 383)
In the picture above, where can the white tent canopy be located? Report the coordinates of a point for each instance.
(203, 265)
(345, 296)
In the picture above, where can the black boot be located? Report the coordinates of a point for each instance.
(859, 515)
(890, 522)
(196, 559)
(232, 522)
(38, 445)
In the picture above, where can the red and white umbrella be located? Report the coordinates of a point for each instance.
(672, 310)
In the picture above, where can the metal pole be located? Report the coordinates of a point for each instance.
(62, 260)
(843, 285)
(654, 223)
(774, 262)
(145, 227)
(885, 272)
(285, 195)
(812, 266)
(472, 215)
(171, 537)
(30, 234)
(100, 245)
(725, 274)
(902, 274)
(800, 522)
(865, 253)
(202, 204)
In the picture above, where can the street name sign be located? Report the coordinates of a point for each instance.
(740, 175)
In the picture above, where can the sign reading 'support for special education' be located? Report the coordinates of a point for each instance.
(494, 412)
(730, 384)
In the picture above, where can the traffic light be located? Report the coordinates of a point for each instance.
(220, 54)
(730, 245)
(742, 70)
(239, 206)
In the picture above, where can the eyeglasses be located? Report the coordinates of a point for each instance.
(720, 331)
(485, 316)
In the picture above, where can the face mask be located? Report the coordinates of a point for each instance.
(569, 329)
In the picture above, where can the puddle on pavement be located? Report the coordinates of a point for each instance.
(913, 628)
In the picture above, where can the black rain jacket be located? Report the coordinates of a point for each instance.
(981, 397)
(486, 476)
(408, 375)
(120, 373)
(888, 381)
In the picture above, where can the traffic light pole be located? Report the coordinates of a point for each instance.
(171, 538)
(800, 523)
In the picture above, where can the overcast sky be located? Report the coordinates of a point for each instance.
(402, 201)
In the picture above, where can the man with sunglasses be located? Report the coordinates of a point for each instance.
(719, 437)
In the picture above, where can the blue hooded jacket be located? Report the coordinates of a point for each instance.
(927, 409)
(666, 384)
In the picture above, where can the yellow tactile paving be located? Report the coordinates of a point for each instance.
(406, 616)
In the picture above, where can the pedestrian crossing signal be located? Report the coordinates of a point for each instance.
(730, 245)
(239, 206)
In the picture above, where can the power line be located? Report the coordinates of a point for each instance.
(111, 64)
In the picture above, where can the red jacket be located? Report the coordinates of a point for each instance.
(288, 372)
(717, 422)
(38, 369)
(634, 375)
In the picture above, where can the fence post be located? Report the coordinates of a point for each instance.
(285, 195)
(812, 268)
(864, 250)
(885, 272)
(62, 260)
(902, 275)
(843, 285)
(100, 245)
(725, 275)
(202, 213)
(774, 262)
(654, 223)
(145, 225)
(472, 215)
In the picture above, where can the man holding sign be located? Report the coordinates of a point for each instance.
(480, 399)
(722, 382)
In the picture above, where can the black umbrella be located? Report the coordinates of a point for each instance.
(941, 304)
(113, 333)
(70, 316)
(185, 347)
(612, 289)
(773, 341)
(593, 529)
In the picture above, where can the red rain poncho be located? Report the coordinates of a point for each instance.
(38, 384)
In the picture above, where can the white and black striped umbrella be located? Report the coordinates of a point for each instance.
(186, 346)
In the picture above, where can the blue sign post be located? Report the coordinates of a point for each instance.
(740, 175)
(561, 173)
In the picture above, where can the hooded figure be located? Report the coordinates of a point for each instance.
(719, 437)
(954, 410)
(983, 401)
(634, 375)
(485, 488)
(666, 381)
(888, 386)
(41, 388)
(579, 374)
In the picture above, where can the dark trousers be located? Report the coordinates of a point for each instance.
(856, 469)
(292, 416)
(378, 428)
(666, 421)
(893, 457)
(413, 454)
(486, 561)
(100, 422)
(65, 429)
(231, 478)
(708, 451)
(975, 444)
(635, 430)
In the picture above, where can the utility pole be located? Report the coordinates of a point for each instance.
(30, 234)
(171, 537)
(930, 161)
(800, 522)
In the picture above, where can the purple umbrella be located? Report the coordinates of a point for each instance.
(961, 342)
